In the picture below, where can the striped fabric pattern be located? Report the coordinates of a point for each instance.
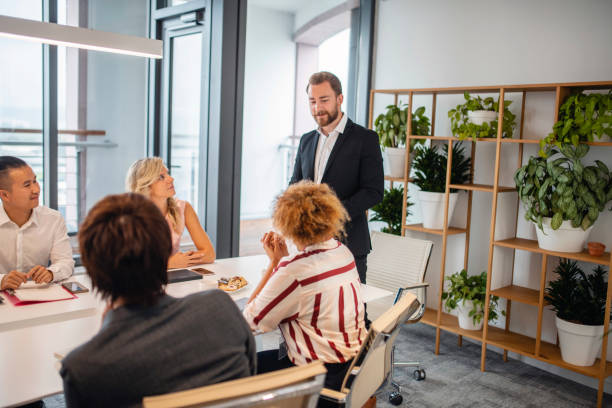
(314, 298)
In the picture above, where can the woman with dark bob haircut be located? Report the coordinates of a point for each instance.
(149, 343)
(313, 296)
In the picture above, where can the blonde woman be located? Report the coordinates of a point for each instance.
(150, 178)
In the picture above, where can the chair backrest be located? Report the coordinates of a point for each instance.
(397, 261)
(372, 364)
(291, 387)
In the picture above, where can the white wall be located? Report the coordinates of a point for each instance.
(116, 97)
(312, 9)
(482, 42)
(269, 81)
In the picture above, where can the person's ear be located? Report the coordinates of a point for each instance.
(339, 99)
(4, 195)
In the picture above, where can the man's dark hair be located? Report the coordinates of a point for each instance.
(125, 244)
(8, 163)
(324, 76)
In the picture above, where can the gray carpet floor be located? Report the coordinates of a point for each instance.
(454, 379)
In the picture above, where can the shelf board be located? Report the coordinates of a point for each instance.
(531, 245)
(550, 87)
(493, 139)
(482, 187)
(519, 294)
(449, 323)
(549, 353)
(396, 179)
(518, 343)
(419, 227)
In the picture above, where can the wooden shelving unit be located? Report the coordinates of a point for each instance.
(533, 347)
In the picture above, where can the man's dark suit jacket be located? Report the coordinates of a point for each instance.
(354, 171)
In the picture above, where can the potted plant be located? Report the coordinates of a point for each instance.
(391, 129)
(581, 118)
(430, 176)
(467, 294)
(389, 210)
(579, 300)
(563, 197)
(477, 118)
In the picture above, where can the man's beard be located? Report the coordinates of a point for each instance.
(327, 118)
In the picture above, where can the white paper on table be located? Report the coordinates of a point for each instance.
(32, 292)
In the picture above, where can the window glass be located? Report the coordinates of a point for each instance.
(21, 109)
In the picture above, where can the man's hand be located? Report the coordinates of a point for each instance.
(275, 247)
(40, 274)
(13, 280)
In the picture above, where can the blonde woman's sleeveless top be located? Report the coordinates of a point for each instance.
(176, 235)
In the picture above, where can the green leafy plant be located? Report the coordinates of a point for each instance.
(463, 287)
(391, 126)
(389, 210)
(464, 129)
(563, 188)
(576, 296)
(581, 118)
(430, 168)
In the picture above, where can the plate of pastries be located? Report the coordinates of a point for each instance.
(232, 284)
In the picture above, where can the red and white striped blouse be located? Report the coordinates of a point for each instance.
(314, 298)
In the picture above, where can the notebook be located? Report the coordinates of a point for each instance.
(182, 275)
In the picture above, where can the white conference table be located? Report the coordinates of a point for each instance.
(30, 335)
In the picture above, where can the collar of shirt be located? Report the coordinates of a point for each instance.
(339, 127)
(4, 218)
(329, 244)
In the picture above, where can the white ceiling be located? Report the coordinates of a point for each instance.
(290, 6)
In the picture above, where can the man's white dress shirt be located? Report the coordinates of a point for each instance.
(42, 240)
(325, 146)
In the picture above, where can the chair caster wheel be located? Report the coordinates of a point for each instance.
(419, 375)
(395, 398)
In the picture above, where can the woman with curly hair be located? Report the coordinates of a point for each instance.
(150, 178)
(313, 296)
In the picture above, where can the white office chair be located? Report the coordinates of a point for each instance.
(288, 388)
(398, 264)
(371, 366)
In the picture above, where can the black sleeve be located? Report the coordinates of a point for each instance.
(71, 395)
(297, 168)
(371, 178)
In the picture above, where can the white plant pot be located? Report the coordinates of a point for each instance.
(579, 343)
(481, 116)
(394, 161)
(465, 321)
(609, 352)
(564, 239)
(432, 208)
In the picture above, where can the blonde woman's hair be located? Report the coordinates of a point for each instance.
(141, 175)
(308, 213)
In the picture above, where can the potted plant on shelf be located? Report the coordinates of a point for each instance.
(391, 129)
(579, 300)
(563, 197)
(477, 118)
(389, 210)
(467, 294)
(582, 117)
(430, 176)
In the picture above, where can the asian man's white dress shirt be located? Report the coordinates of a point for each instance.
(42, 240)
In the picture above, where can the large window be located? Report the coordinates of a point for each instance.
(100, 104)
(21, 90)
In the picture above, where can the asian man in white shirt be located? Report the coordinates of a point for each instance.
(34, 241)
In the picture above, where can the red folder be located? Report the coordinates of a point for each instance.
(16, 302)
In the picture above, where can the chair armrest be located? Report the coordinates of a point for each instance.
(416, 286)
(332, 395)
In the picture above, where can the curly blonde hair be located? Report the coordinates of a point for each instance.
(308, 213)
(141, 175)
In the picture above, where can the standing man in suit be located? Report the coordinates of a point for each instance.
(344, 155)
